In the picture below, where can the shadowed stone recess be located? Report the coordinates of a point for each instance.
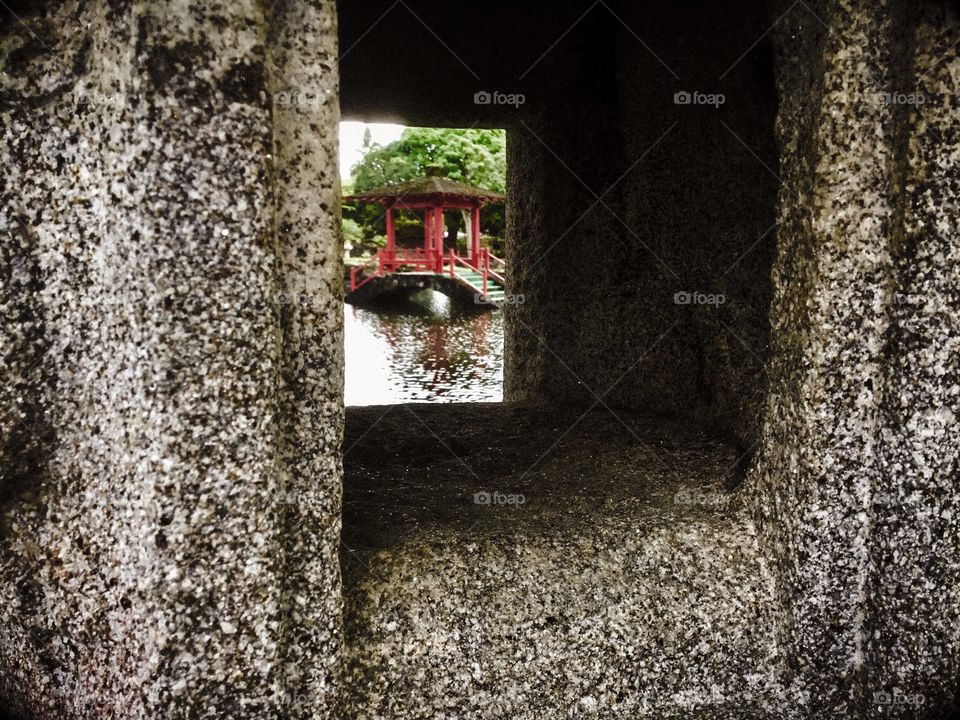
(161, 404)
(629, 210)
(625, 584)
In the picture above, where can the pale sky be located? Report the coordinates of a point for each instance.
(351, 140)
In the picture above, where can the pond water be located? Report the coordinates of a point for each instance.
(421, 348)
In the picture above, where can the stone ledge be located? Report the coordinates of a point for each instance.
(628, 588)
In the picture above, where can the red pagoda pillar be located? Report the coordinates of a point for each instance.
(439, 239)
(433, 236)
(391, 236)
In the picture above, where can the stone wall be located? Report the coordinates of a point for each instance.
(171, 348)
(624, 205)
(171, 361)
(856, 486)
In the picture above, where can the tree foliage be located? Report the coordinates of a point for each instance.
(474, 156)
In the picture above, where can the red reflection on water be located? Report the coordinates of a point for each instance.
(430, 353)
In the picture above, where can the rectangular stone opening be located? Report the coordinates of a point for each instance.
(424, 225)
(598, 496)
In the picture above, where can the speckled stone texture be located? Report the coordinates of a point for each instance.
(171, 373)
(621, 199)
(857, 481)
(171, 361)
(855, 487)
(624, 585)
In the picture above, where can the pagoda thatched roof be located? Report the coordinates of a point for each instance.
(427, 190)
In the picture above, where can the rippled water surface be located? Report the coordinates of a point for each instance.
(421, 349)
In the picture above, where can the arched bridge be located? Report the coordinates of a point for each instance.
(481, 282)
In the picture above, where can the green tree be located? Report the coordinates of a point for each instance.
(352, 233)
(476, 157)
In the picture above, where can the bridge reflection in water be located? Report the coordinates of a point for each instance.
(421, 348)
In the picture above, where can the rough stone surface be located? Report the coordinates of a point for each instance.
(625, 584)
(855, 490)
(642, 229)
(170, 289)
(162, 200)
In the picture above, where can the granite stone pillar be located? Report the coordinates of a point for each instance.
(171, 361)
(857, 481)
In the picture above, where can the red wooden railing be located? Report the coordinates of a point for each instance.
(407, 257)
(495, 260)
(357, 272)
(457, 260)
(391, 261)
(485, 258)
